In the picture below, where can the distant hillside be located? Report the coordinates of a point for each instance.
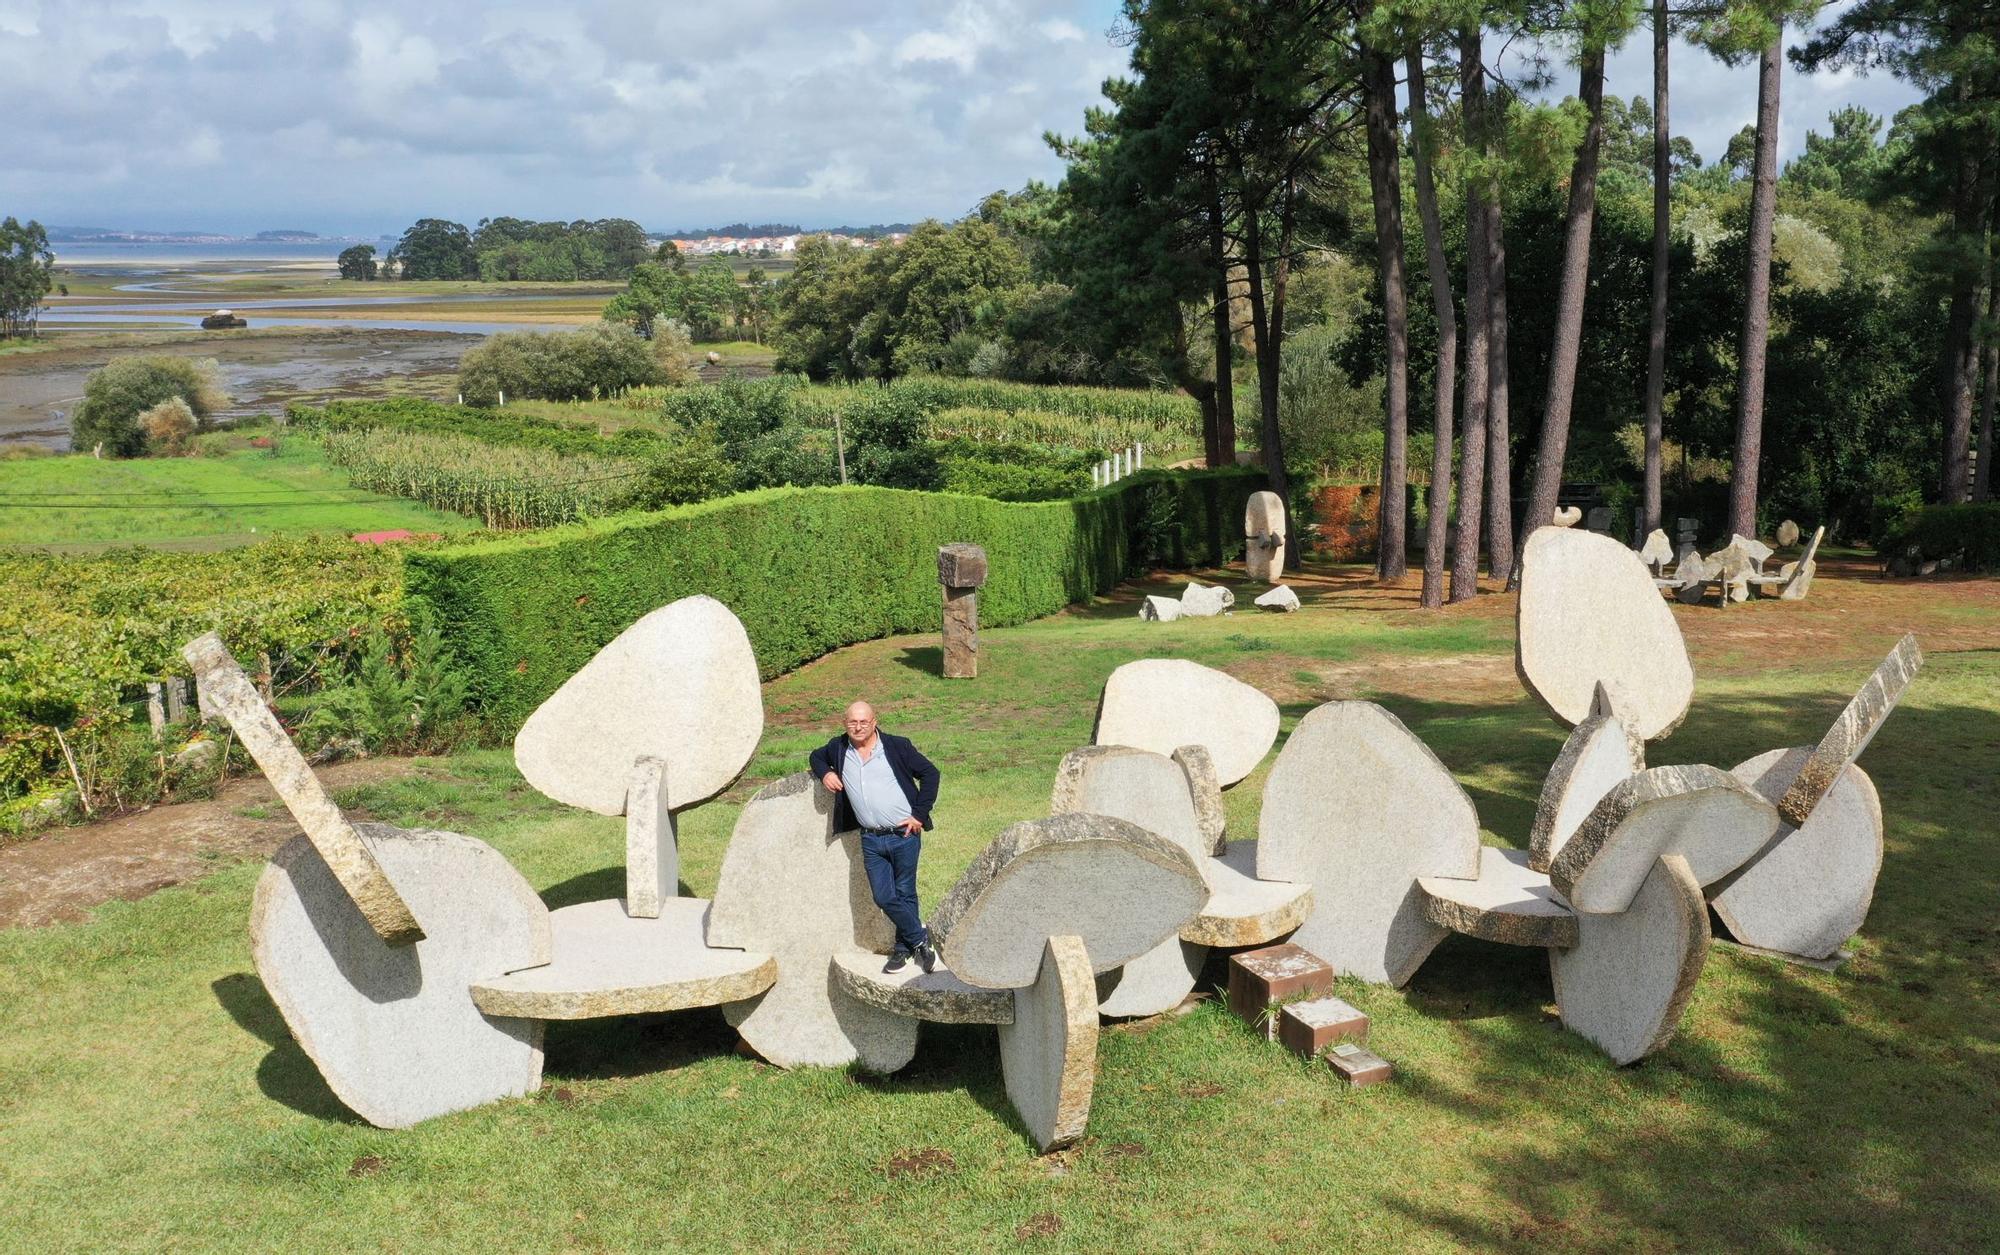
(744, 231)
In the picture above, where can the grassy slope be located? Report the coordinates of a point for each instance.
(215, 502)
(155, 1099)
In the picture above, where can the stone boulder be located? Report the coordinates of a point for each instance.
(1162, 704)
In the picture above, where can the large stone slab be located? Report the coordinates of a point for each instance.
(1280, 599)
(1264, 537)
(1198, 765)
(608, 962)
(1161, 704)
(1658, 550)
(652, 847)
(1589, 614)
(1156, 609)
(1799, 575)
(679, 685)
(1707, 816)
(1358, 809)
(1243, 910)
(1120, 888)
(791, 887)
(393, 1028)
(1630, 975)
(1510, 902)
(1851, 732)
(1601, 753)
(1155, 982)
(1200, 601)
(1809, 890)
(938, 997)
(349, 859)
(1048, 1055)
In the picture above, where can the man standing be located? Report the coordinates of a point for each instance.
(884, 787)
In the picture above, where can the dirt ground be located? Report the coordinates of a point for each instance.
(261, 370)
(1851, 609)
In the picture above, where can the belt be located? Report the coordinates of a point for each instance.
(882, 832)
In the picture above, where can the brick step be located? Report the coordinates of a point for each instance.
(1285, 992)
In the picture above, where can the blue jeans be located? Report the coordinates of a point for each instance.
(890, 860)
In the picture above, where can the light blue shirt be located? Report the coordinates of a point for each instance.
(872, 792)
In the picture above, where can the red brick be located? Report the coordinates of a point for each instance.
(1307, 1028)
(1258, 978)
(1358, 1067)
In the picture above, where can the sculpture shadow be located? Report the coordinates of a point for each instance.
(594, 886)
(286, 1074)
(626, 1046)
(925, 659)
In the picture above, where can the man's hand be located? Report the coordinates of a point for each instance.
(832, 782)
(912, 826)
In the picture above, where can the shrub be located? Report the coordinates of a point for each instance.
(807, 570)
(168, 426)
(115, 397)
(1967, 535)
(399, 700)
(594, 361)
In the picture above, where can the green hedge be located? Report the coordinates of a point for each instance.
(1969, 535)
(807, 570)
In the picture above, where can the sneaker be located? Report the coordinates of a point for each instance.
(927, 957)
(899, 959)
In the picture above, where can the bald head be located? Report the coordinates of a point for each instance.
(861, 723)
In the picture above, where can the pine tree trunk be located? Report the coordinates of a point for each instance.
(1472, 444)
(1757, 297)
(1222, 451)
(1960, 367)
(1567, 344)
(1656, 340)
(1499, 445)
(1266, 335)
(1379, 84)
(1989, 369)
(1447, 352)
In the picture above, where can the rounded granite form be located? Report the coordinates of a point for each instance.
(1161, 704)
(1809, 890)
(1702, 813)
(394, 1029)
(1629, 976)
(1601, 753)
(1510, 903)
(938, 997)
(1589, 613)
(680, 685)
(1048, 1055)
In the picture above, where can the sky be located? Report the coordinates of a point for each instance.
(354, 117)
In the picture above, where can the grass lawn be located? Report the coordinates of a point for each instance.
(76, 502)
(154, 1098)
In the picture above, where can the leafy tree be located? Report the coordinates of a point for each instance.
(433, 248)
(116, 396)
(357, 262)
(600, 360)
(26, 270)
(817, 309)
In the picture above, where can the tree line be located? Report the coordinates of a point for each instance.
(512, 250)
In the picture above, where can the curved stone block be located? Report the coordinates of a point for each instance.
(1601, 753)
(679, 685)
(1243, 910)
(1809, 890)
(1155, 982)
(607, 962)
(1048, 1055)
(1161, 704)
(1121, 889)
(394, 1029)
(938, 997)
(1358, 808)
(1511, 903)
(1629, 976)
(1851, 732)
(794, 889)
(1198, 766)
(1704, 814)
(1589, 614)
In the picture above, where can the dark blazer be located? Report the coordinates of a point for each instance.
(917, 775)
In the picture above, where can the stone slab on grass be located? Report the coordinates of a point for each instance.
(1306, 1028)
(608, 962)
(1630, 975)
(1704, 814)
(1851, 732)
(1809, 890)
(1048, 1055)
(1258, 979)
(1155, 982)
(1159, 609)
(938, 997)
(1358, 808)
(1243, 910)
(1120, 888)
(1161, 704)
(393, 1028)
(1510, 902)
(1198, 766)
(1204, 601)
(680, 685)
(793, 888)
(1138, 786)
(1589, 614)
(1601, 753)
(1358, 1066)
(350, 860)
(652, 848)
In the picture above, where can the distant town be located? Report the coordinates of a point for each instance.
(770, 239)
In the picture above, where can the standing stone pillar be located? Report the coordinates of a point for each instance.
(176, 698)
(961, 570)
(156, 708)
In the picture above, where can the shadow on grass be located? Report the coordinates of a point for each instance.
(286, 1074)
(927, 660)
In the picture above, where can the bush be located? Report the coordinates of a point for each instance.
(400, 700)
(807, 570)
(596, 361)
(115, 397)
(1966, 535)
(168, 426)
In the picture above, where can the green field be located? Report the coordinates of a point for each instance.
(79, 503)
(154, 1099)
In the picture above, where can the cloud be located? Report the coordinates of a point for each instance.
(361, 115)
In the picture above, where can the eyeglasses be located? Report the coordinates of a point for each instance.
(859, 723)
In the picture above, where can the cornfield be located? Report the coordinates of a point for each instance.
(504, 486)
(1060, 431)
